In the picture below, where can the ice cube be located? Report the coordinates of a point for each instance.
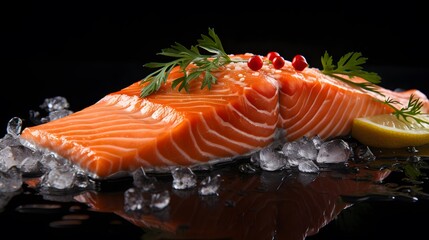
(6, 159)
(142, 181)
(81, 179)
(160, 200)
(363, 153)
(8, 140)
(183, 178)
(32, 165)
(58, 178)
(55, 103)
(210, 185)
(334, 151)
(272, 160)
(11, 180)
(14, 126)
(317, 141)
(302, 148)
(133, 200)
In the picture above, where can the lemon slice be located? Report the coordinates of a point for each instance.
(387, 131)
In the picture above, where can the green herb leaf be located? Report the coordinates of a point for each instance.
(350, 65)
(412, 171)
(205, 64)
(411, 111)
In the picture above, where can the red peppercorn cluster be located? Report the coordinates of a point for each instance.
(256, 62)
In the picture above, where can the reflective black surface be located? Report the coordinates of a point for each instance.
(377, 199)
(84, 51)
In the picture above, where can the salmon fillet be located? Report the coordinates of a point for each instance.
(239, 115)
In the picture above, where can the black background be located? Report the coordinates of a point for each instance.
(83, 51)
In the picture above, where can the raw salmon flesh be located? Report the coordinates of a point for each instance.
(239, 115)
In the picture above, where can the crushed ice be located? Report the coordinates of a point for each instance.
(305, 154)
(145, 195)
(19, 160)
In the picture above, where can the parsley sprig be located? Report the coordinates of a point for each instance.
(205, 64)
(350, 65)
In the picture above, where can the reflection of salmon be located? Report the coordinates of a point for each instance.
(273, 205)
(240, 114)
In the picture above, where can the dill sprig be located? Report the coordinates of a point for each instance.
(411, 111)
(205, 64)
(350, 65)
